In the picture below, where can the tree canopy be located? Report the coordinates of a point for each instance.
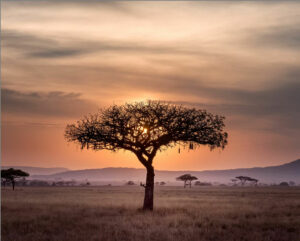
(244, 179)
(187, 179)
(10, 175)
(145, 128)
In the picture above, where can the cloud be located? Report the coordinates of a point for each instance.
(280, 36)
(45, 104)
(278, 106)
(34, 46)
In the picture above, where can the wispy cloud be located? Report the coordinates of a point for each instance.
(45, 104)
(279, 36)
(34, 46)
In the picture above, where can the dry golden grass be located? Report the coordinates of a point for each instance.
(112, 214)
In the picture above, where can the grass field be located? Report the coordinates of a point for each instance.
(112, 214)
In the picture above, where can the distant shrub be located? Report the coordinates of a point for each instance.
(283, 184)
(38, 183)
(198, 183)
(130, 183)
(291, 183)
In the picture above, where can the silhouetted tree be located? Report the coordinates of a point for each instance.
(253, 180)
(145, 128)
(12, 175)
(198, 183)
(187, 179)
(38, 183)
(284, 184)
(244, 179)
(130, 183)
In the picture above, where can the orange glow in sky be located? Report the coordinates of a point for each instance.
(61, 61)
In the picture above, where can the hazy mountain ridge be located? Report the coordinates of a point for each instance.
(286, 172)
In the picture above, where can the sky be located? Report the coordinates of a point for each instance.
(62, 60)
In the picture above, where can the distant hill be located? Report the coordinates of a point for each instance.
(38, 170)
(272, 174)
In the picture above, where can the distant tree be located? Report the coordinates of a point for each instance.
(130, 183)
(162, 183)
(38, 183)
(253, 181)
(144, 128)
(187, 179)
(198, 183)
(12, 175)
(292, 183)
(244, 179)
(284, 184)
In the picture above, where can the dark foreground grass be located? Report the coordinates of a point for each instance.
(112, 214)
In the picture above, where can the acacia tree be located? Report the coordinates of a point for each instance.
(253, 181)
(244, 179)
(144, 128)
(187, 179)
(11, 175)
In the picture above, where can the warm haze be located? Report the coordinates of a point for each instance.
(62, 60)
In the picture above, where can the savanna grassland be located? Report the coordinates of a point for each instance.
(112, 214)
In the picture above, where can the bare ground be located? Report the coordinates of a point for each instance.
(112, 214)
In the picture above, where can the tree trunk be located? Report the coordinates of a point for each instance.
(13, 185)
(149, 189)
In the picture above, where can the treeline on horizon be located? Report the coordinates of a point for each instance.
(17, 179)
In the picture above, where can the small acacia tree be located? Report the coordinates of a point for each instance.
(244, 179)
(144, 128)
(187, 179)
(11, 175)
